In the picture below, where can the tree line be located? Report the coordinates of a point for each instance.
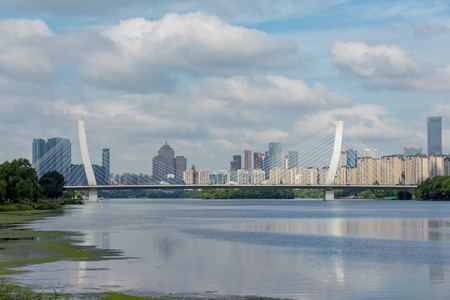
(437, 188)
(18, 181)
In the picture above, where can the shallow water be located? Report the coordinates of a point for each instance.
(300, 249)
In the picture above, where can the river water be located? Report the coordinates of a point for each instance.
(298, 249)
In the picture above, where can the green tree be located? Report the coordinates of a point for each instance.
(52, 184)
(21, 180)
(446, 188)
(378, 194)
(367, 194)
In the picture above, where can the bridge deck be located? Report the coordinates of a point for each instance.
(241, 186)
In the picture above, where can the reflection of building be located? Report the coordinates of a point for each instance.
(434, 134)
(53, 155)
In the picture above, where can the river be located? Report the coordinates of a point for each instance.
(298, 249)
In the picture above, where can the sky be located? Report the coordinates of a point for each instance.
(213, 78)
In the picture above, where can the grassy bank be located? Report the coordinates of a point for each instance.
(20, 247)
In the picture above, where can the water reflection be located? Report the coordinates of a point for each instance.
(399, 229)
(309, 250)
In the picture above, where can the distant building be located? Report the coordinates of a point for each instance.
(258, 161)
(276, 176)
(411, 151)
(243, 176)
(352, 158)
(235, 164)
(203, 177)
(106, 165)
(434, 135)
(292, 159)
(248, 160)
(258, 176)
(53, 155)
(371, 152)
(165, 163)
(190, 176)
(275, 159)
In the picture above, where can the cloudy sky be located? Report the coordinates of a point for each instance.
(216, 77)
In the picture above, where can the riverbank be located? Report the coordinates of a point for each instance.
(21, 247)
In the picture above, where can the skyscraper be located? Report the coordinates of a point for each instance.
(258, 159)
(248, 160)
(235, 164)
(292, 159)
(53, 155)
(434, 135)
(165, 163)
(106, 165)
(352, 156)
(276, 161)
(180, 166)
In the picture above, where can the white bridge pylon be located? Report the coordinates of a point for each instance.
(93, 192)
(332, 171)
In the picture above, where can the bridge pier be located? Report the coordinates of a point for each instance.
(93, 195)
(328, 195)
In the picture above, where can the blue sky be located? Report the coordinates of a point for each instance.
(214, 78)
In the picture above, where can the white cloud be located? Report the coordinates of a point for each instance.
(388, 66)
(148, 55)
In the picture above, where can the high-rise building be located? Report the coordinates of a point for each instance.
(106, 164)
(258, 176)
(53, 155)
(38, 149)
(275, 159)
(258, 160)
(371, 152)
(165, 163)
(180, 166)
(203, 177)
(292, 159)
(434, 135)
(235, 164)
(248, 160)
(411, 151)
(352, 158)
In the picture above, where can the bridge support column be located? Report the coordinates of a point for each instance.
(328, 195)
(93, 195)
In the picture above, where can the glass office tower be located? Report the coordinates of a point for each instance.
(434, 135)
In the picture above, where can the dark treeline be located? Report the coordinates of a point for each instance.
(255, 194)
(437, 188)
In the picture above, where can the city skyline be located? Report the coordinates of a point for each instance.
(216, 79)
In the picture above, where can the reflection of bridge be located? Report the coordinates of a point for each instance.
(328, 178)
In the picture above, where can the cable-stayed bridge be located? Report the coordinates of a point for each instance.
(328, 161)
